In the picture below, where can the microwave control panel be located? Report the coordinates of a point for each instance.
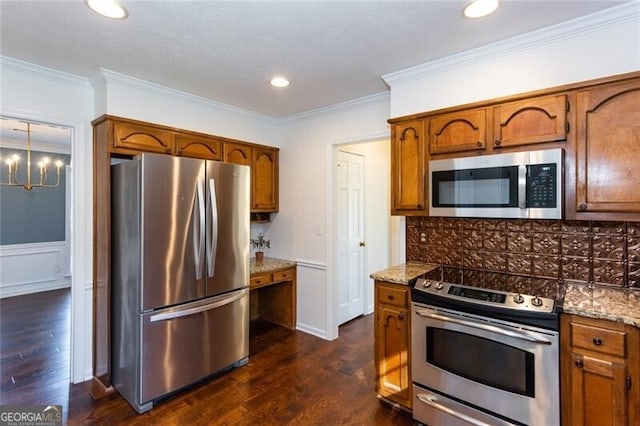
(541, 186)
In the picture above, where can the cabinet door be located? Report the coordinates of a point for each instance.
(458, 131)
(206, 148)
(598, 391)
(530, 121)
(392, 354)
(139, 138)
(237, 153)
(264, 186)
(408, 168)
(608, 149)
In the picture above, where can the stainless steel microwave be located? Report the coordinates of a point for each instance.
(524, 185)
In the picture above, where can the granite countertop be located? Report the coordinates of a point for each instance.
(269, 264)
(404, 273)
(613, 304)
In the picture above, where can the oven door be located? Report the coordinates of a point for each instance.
(497, 366)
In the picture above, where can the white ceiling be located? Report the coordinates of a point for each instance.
(227, 51)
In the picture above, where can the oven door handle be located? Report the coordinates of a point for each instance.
(523, 335)
(430, 400)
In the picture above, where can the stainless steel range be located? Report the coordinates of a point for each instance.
(483, 357)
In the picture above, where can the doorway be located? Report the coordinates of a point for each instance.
(376, 222)
(35, 255)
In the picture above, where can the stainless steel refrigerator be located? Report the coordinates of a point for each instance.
(180, 273)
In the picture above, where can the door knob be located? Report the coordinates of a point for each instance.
(362, 244)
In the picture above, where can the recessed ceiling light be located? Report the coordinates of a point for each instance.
(110, 8)
(279, 82)
(480, 8)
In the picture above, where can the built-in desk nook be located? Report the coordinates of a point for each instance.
(273, 291)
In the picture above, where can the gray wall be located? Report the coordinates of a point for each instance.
(31, 216)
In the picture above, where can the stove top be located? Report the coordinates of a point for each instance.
(516, 307)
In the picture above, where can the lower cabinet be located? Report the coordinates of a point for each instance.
(393, 342)
(600, 365)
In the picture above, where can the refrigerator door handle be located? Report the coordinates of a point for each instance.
(199, 230)
(213, 242)
(215, 303)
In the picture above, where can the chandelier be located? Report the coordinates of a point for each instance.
(43, 165)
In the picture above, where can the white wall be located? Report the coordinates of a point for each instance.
(301, 230)
(129, 97)
(599, 45)
(45, 95)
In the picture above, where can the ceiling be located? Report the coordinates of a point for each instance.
(227, 51)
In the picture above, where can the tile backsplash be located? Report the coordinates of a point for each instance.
(531, 256)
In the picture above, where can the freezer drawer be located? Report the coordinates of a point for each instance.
(183, 344)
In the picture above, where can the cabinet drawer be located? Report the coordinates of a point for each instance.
(142, 138)
(598, 339)
(393, 296)
(260, 280)
(283, 275)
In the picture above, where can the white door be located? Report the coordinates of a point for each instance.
(350, 233)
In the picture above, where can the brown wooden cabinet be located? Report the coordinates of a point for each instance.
(131, 137)
(608, 151)
(273, 297)
(393, 342)
(264, 180)
(530, 121)
(408, 168)
(600, 363)
(458, 131)
(207, 148)
(264, 173)
(237, 153)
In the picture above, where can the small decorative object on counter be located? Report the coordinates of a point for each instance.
(259, 244)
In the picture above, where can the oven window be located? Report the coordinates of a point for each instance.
(490, 187)
(482, 360)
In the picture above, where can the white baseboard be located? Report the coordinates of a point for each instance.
(312, 330)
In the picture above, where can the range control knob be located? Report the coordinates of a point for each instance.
(439, 286)
(426, 284)
(518, 298)
(536, 301)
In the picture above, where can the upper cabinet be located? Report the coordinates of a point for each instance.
(458, 131)
(207, 148)
(608, 150)
(264, 173)
(131, 137)
(237, 153)
(408, 168)
(530, 121)
(264, 180)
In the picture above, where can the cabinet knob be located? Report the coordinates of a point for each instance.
(579, 364)
(597, 341)
(479, 144)
(390, 297)
(497, 142)
(582, 206)
(400, 317)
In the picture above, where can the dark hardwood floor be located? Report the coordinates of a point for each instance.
(292, 378)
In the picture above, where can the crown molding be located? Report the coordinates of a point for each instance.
(106, 76)
(626, 12)
(43, 72)
(44, 147)
(364, 100)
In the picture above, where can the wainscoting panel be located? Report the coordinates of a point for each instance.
(30, 268)
(311, 282)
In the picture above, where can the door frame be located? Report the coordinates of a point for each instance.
(331, 249)
(80, 368)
